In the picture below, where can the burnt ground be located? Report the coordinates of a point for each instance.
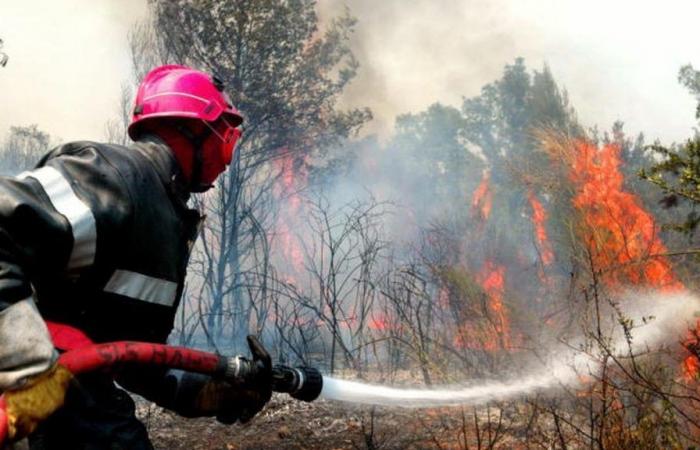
(289, 424)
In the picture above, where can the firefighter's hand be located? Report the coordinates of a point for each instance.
(32, 403)
(240, 400)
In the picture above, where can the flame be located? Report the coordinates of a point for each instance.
(622, 238)
(291, 181)
(379, 321)
(492, 279)
(691, 366)
(493, 333)
(482, 198)
(621, 235)
(539, 220)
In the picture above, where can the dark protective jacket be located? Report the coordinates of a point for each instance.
(99, 237)
(103, 234)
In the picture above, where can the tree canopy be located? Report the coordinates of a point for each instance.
(677, 172)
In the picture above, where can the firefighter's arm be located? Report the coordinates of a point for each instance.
(47, 231)
(195, 395)
(34, 237)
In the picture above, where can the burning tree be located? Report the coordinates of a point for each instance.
(616, 246)
(514, 207)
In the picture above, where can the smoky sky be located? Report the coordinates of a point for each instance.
(617, 60)
(67, 62)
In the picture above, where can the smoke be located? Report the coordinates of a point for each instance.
(658, 320)
(67, 61)
(614, 66)
(619, 61)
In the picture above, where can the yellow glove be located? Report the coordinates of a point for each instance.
(35, 401)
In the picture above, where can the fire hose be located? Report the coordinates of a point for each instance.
(302, 383)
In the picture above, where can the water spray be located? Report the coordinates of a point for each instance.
(658, 319)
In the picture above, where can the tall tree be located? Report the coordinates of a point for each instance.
(690, 78)
(430, 155)
(285, 75)
(677, 168)
(502, 123)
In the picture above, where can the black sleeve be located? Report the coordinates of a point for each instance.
(48, 229)
(172, 389)
(34, 237)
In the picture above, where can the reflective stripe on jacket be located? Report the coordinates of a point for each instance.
(99, 235)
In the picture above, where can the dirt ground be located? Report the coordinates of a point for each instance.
(289, 424)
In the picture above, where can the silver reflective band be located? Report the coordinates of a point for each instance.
(142, 287)
(177, 94)
(79, 216)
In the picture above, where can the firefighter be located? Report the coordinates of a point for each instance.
(97, 237)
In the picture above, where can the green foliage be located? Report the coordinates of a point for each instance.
(501, 123)
(281, 71)
(678, 176)
(460, 282)
(501, 120)
(434, 154)
(676, 170)
(690, 78)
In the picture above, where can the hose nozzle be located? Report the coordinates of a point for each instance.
(302, 383)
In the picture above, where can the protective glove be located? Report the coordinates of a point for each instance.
(241, 399)
(33, 402)
(228, 399)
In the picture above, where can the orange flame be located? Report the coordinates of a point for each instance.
(379, 321)
(492, 279)
(482, 198)
(494, 333)
(621, 235)
(539, 220)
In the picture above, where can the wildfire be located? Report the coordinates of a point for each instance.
(482, 198)
(379, 321)
(291, 180)
(620, 234)
(539, 220)
(621, 237)
(492, 279)
(493, 333)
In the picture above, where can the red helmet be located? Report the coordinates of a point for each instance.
(179, 91)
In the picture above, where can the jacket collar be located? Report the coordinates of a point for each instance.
(158, 152)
